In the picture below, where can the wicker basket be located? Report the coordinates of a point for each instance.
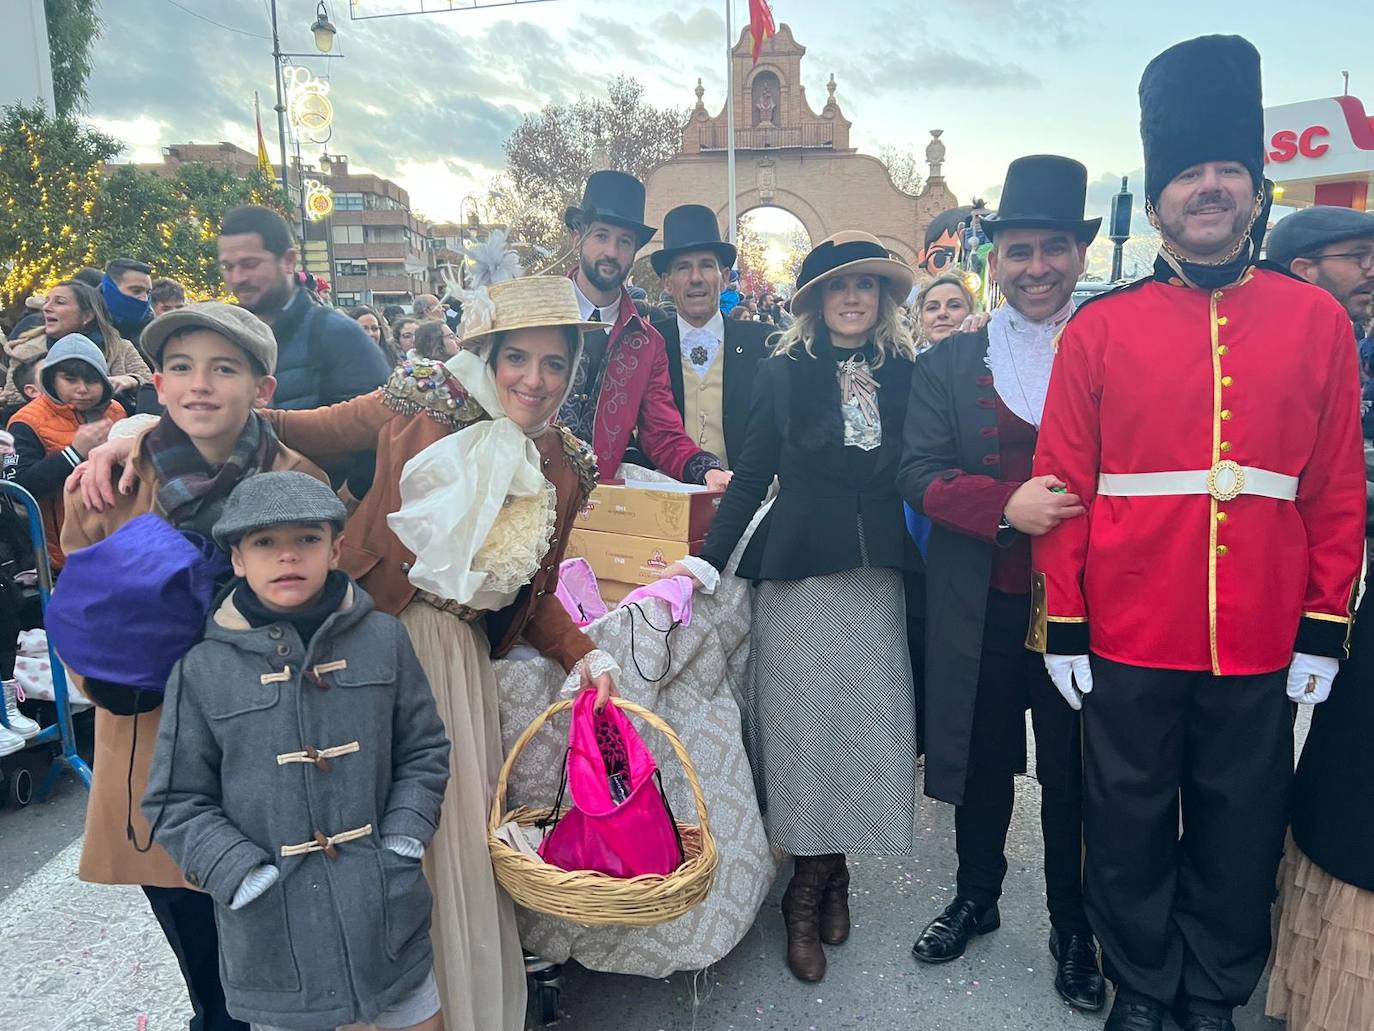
(585, 896)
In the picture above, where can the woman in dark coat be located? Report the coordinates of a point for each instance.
(829, 712)
(1323, 976)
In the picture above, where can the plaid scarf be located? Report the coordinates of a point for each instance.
(190, 490)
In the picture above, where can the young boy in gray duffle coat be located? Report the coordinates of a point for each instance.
(300, 768)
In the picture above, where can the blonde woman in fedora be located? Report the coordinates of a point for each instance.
(473, 478)
(829, 711)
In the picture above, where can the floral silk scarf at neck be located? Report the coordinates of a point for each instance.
(190, 490)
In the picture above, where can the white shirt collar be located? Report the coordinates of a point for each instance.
(716, 326)
(610, 313)
(1020, 356)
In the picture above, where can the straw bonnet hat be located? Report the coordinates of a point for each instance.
(524, 303)
(850, 253)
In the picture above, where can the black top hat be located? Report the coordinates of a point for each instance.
(1200, 101)
(691, 227)
(1044, 191)
(614, 197)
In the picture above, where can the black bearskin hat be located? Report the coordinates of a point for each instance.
(1200, 101)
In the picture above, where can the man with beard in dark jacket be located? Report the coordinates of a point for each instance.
(323, 356)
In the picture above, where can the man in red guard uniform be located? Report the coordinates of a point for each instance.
(976, 401)
(1208, 416)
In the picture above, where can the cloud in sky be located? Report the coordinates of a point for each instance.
(429, 100)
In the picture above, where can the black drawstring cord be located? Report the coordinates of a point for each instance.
(667, 643)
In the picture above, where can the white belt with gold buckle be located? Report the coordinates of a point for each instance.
(1225, 481)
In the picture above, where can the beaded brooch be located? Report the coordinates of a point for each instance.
(421, 385)
(582, 458)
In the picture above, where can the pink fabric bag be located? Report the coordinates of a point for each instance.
(675, 592)
(619, 822)
(578, 591)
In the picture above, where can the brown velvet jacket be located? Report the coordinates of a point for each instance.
(421, 403)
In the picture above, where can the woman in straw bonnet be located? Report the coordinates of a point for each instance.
(481, 491)
(829, 711)
(460, 537)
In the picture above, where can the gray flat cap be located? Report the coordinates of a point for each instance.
(274, 499)
(1303, 233)
(244, 329)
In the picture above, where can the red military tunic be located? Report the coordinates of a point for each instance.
(1162, 377)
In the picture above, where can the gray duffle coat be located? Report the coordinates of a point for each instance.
(238, 781)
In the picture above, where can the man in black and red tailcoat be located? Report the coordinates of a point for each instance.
(1208, 416)
(976, 404)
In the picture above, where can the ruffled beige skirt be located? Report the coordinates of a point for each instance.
(1323, 976)
(477, 957)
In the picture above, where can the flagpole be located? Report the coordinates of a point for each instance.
(730, 116)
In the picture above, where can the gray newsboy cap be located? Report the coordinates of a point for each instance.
(244, 329)
(1303, 233)
(274, 499)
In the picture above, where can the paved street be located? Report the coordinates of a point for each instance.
(90, 958)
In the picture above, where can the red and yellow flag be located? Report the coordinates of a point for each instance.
(761, 25)
(264, 162)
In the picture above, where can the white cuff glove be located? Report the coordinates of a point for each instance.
(258, 880)
(707, 575)
(1310, 677)
(1065, 670)
(595, 662)
(404, 845)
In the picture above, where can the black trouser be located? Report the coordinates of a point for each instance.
(1184, 918)
(1010, 680)
(188, 920)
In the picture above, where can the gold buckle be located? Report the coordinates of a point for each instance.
(1226, 480)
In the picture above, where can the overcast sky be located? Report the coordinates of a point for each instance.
(428, 100)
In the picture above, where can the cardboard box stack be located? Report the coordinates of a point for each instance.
(630, 532)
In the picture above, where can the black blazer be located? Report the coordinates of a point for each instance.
(794, 433)
(746, 344)
(951, 425)
(1333, 818)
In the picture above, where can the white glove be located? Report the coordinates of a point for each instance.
(1310, 676)
(404, 846)
(1064, 670)
(255, 882)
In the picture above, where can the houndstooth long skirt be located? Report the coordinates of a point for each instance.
(829, 713)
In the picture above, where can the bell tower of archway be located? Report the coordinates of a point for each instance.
(790, 156)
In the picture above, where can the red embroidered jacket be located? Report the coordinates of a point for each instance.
(1161, 377)
(637, 394)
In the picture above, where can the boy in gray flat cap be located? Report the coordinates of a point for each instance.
(300, 769)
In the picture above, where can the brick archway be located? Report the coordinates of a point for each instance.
(798, 160)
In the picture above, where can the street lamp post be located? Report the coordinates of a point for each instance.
(323, 31)
(281, 105)
(1120, 226)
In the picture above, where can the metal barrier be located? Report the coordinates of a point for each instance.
(61, 731)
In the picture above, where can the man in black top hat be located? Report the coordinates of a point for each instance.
(711, 360)
(976, 404)
(1208, 415)
(621, 387)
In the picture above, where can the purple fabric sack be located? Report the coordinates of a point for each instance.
(128, 607)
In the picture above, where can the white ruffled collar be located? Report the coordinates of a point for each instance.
(1020, 356)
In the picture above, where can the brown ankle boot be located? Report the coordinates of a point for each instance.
(835, 903)
(800, 911)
